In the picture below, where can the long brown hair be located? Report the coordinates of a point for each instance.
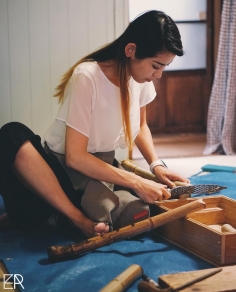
(153, 32)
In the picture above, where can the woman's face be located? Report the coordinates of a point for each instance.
(148, 69)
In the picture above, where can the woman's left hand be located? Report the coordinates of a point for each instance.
(167, 176)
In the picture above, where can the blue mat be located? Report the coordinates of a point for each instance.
(221, 178)
(26, 254)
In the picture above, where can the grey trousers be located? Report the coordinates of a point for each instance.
(99, 202)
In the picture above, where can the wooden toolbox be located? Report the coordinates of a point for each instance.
(200, 232)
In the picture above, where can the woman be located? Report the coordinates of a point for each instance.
(103, 107)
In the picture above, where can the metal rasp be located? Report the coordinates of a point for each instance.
(181, 191)
(195, 189)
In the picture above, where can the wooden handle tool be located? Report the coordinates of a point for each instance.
(228, 228)
(149, 287)
(63, 252)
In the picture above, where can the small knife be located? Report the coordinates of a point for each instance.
(195, 189)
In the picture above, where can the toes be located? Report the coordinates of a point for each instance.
(101, 228)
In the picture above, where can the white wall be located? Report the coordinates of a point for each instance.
(39, 41)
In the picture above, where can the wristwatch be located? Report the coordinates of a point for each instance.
(155, 163)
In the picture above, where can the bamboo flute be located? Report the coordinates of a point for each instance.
(70, 250)
(129, 166)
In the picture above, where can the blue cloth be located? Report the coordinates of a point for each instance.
(26, 254)
(220, 178)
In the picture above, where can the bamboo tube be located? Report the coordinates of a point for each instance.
(129, 166)
(66, 251)
(121, 282)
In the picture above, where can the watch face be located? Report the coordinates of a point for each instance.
(163, 163)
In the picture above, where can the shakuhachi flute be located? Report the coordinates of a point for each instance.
(67, 251)
(129, 166)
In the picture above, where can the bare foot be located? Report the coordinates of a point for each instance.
(101, 228)
(90, 228)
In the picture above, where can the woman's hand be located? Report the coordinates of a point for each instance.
(144, 142)
(167, 176)
(150, 191)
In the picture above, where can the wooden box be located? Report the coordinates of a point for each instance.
(200, 232)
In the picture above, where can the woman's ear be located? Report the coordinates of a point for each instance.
(130, 50)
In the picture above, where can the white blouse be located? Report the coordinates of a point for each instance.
(92, 107)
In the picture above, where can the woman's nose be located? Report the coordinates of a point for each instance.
(158, 73)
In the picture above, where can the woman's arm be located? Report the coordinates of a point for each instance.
(78, 158)
(145, 144)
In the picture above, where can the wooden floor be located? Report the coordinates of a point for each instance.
(176, 145)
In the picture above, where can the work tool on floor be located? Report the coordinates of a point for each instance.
(149, 287)
(67, 251)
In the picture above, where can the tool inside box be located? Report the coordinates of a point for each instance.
(214, 218)
(200, 232)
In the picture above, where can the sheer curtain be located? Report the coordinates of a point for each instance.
(221, 123)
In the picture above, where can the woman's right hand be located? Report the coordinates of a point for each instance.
(150, 191)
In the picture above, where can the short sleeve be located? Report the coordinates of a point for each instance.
(79, 108)
(147, 93)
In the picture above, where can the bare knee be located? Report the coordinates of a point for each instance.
(24, 149)
(24, 152)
